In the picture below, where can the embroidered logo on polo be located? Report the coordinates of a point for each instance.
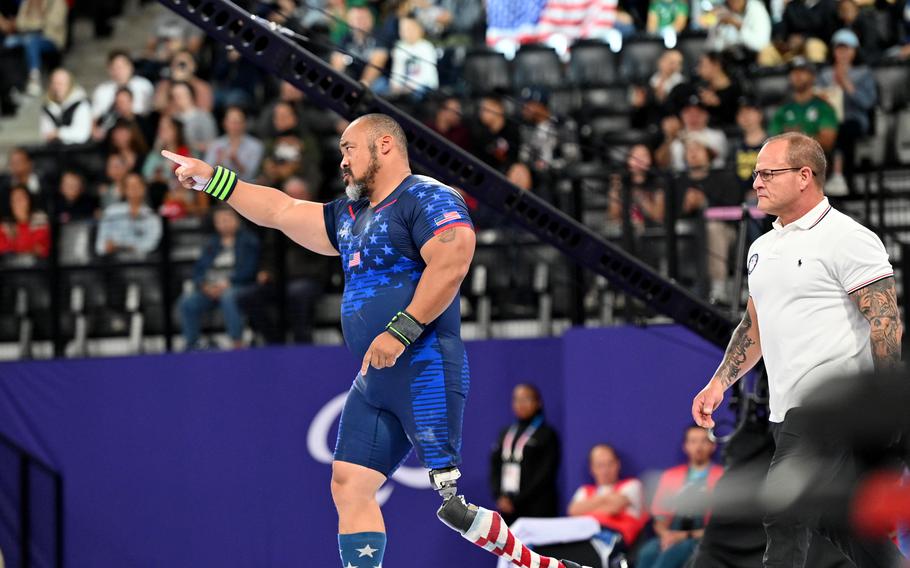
(753, 262)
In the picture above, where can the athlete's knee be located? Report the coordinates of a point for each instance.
(455, 512)
(351, 487)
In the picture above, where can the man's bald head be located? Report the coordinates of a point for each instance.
(378, 125)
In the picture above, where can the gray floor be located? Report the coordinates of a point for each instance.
(87, 59)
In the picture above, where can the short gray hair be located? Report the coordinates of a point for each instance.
(804, 151)
(379, 125)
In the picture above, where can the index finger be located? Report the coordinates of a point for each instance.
(366, 363)
(176, 158)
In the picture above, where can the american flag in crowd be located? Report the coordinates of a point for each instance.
(527, 21)
(446, 217)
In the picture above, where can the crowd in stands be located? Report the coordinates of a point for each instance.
(691, 127)
(658, 526)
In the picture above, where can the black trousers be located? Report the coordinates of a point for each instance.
(790, 532)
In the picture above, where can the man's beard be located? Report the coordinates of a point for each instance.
(358, 188)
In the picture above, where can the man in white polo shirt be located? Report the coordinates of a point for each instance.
(822, 304)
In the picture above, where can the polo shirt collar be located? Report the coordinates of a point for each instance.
(807, 221)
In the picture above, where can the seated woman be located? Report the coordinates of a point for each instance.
(26, 233)
(617, 504)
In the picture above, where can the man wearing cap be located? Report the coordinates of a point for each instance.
(694, 115)
(857, 86)
(806, 112)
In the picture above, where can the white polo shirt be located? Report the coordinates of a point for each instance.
(800, 279)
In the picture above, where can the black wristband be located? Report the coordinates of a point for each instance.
(405, 328)
(222, 184)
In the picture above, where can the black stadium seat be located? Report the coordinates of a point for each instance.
(639, 58)
(592, 64)
(536, 66)
(485, 71)
(772, 87)
(893, 82)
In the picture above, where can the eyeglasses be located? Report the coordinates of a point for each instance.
(768, 175)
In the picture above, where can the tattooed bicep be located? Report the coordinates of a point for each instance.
(877, 300)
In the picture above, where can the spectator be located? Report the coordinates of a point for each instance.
(122, 74)
(651, 101)
(413, 61)
(447, 122)
(362, 56)
(617, 504)
(902, 49)
(745, 149)
(292, 152)
(40, 28)
(304, 275)
(548, 143)
(72, 202)
(804, 31)
(182, 68)
(198, 125)
(680, 503)
(525, 461)
(157, 169)
(126, 139)
(130, 229)
(495, 139)
(112, 190)
(122, 109)
(67, 113)
(854, 86)
(807, 112)
(460, 22)
(22, 171)
(699, 188)
(743, 27)
(236, 150)
(717, 93)
(226, 269)
(862, 23)
(236, 80)
(694, 114)
(26, 232)
(644, 187)
(666, 15)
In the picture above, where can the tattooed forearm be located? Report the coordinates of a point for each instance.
(447, 236)
(878, 303)
(737, 352)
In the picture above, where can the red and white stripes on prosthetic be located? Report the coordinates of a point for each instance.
(491, 533)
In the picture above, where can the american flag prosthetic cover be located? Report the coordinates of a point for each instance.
(491, 533)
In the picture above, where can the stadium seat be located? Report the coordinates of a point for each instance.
(893, 81)
(592, 64)
(605, 99)
(692, 45)
(639, 58)
(771, 86)
(536, 66)
(76, 242)
(485, 71)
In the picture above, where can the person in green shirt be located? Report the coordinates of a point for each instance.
(806, 112)
(664, 14)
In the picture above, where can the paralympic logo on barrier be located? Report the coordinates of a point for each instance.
(317, 441)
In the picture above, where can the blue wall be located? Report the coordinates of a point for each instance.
(203, 459)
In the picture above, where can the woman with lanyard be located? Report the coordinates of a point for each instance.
(526, 460)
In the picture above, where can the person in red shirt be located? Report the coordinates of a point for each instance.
(617, 504)
(27, 231)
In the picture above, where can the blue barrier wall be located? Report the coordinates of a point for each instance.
(217, 459)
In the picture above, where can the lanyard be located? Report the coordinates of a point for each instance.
(510, 454)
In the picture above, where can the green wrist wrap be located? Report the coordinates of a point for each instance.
(222, 184)
(405, 328)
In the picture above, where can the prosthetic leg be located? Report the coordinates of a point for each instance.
(483, 527)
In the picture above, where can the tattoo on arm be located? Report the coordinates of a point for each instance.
(736, 354)
(878, 303)
(447, 236)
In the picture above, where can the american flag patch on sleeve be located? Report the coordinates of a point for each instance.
(446, 217)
